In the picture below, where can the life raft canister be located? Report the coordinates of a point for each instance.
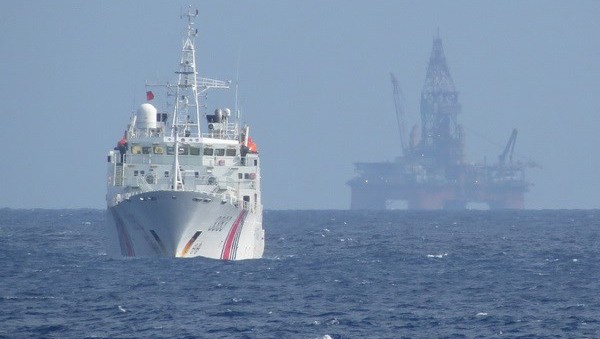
(251, 145)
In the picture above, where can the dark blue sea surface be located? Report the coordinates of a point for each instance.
(325, 274)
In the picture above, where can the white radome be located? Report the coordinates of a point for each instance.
(146, 116)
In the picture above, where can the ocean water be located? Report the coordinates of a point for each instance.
(325, 274)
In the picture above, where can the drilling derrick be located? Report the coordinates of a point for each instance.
(432, 172)
(440, 132)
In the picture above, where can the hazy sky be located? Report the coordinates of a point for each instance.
(314, 80)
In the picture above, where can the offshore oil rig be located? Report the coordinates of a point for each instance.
(432, 172)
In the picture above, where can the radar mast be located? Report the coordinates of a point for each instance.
(186, 113)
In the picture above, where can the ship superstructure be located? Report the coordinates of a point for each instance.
(176, 191)
(432, 172)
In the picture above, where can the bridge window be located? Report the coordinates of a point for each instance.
(194, 150)
(208, 151)
(220, 152)
(166, 174)
(170, 150)
(184, 150)
(135, 173)
(231, 152)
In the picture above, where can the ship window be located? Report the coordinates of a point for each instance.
(108, 158)
(146, 150)
(255, 162)
(208, 151)
(166, 174)
(246, 175)
(184, 150)
(142, 172)
(246, 198)
(230, 152)
(135, 173)
(194, 151)
(197, 174)
(220, 152)
(170, 150)
(162, 117)
(158, 150)
(240, 175)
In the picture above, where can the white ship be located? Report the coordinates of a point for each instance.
(175, 191)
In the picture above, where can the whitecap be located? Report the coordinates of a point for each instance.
(121, 308)
(481, 314)
(333, 321)
(441, 255)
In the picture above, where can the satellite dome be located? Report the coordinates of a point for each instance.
(146, 116)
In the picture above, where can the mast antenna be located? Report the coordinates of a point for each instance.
(186, 115)
(190, 14)
(237, 84)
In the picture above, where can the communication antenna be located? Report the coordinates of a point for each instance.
(190, 14)
(237, 84)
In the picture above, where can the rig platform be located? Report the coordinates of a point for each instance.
(432, 172)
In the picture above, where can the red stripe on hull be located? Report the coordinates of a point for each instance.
(124, 238)
(226, 253)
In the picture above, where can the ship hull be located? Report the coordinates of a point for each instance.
(185, 224)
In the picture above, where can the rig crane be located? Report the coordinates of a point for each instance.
(400, 116)
(509, 149)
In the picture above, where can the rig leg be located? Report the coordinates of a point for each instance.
(367, 200)
(434, 200)
(510, 201)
